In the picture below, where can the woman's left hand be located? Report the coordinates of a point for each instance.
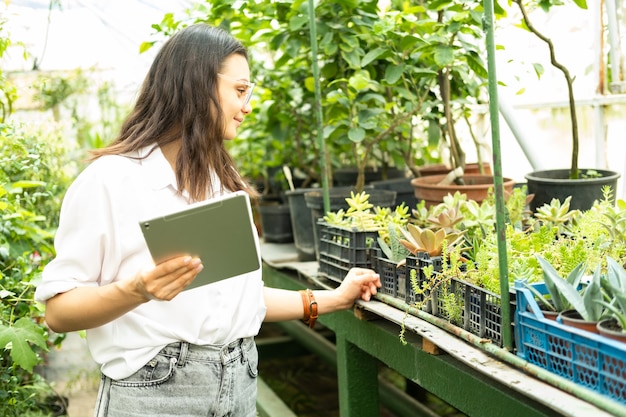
(360, 283)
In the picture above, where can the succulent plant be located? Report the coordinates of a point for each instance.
(432, 242)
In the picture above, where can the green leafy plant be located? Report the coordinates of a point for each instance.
(34, 173)
(557, 300)
(363, 216)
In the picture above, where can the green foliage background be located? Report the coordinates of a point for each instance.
(34, 174)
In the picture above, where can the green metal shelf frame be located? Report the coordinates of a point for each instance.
(361, 344)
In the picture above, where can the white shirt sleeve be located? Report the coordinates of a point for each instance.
(86, 233)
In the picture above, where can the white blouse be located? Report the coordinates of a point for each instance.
(99, 241)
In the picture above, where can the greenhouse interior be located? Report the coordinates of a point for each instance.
(313, 208)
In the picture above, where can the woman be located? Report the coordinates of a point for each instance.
(162, 351)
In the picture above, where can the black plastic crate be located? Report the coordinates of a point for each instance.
(448, 299)
(463, 304)
(483, 312)
(472, 308)
(341, 249)
(417, 263)
(392, 277)
(334, 268)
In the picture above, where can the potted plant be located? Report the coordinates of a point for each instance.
(584, 185)
(615, 284)
(584, 300)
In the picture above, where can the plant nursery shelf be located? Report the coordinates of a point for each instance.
(475, 376)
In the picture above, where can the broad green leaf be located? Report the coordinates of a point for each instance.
(477, 66)
(560, 289)
(616, 274)
(593, 294)
(297, 22)
(444, 56)
(538, 70)
(393, 73)
(352, 58)
(371, 56)
(145, 46)
(309, 84)
(356, 134)
(17, 339)
(359, 81)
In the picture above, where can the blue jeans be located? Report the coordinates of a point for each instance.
(187, 380)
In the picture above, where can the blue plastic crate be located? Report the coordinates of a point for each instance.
(586, 358)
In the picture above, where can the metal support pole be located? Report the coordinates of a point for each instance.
(488, 23)
(617, 76)
(319, 117)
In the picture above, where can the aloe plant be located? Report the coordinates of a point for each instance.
(391, 247)
(565, 293)
(616, 289)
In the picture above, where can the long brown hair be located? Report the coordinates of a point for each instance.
(178, 100)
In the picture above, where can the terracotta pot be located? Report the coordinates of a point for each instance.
(610, 328)
(550, 315)
(441, 169)
(476, 187)
(572, 318)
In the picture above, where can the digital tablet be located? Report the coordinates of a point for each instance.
(219, 231)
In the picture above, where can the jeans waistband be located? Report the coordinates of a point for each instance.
(184, 351)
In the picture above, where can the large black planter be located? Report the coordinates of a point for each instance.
(301, 224)
(346, 177)
(403, 188)
(555, 183)
(276, 223)
(337, 196)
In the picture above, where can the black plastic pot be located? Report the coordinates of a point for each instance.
(403, 188)
(276, 223)
(301, 224)
(346, 177)
(555, 183)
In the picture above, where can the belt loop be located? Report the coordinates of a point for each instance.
(182, 355)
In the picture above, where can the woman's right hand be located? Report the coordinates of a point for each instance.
(167, 279)
(87, 307)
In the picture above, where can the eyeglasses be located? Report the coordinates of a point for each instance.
(249, 87)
